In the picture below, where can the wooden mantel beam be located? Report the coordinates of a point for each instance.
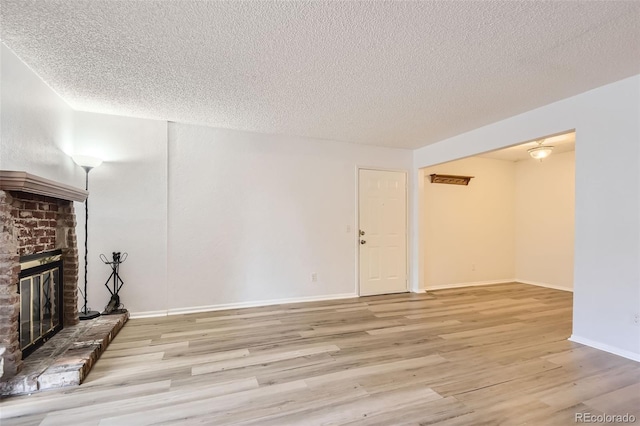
(32, 184)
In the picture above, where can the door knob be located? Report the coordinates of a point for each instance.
(363, 242)
(361, 232)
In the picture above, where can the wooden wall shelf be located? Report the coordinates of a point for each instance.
(450, 179)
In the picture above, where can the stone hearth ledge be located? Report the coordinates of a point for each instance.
(67, 358)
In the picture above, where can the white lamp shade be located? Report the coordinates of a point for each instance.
(540, 152)
(86, 161)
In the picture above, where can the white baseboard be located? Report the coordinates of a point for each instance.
(258, 303)
(147, 314)
(604, 347)
(253, 304)
(492, 282)
(539, 284)
(237, 305)
(460, 285)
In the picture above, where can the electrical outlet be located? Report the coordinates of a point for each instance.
(636, 318)
(473, 266)
(348, 229)
(314, 277)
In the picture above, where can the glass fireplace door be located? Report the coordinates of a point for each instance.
(40, 299)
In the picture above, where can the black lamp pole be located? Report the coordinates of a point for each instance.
(86, 314)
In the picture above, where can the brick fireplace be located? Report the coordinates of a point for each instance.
(37, 216)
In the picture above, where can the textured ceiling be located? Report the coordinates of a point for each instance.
(401, 74)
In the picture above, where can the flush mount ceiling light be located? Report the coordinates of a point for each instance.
(541, 151)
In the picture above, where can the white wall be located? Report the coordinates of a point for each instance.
(127, 207)
(36, 128)
(469, 230)
(544, 221)
(252, 216)
(311, 188)
(607, 207)
(39, 132)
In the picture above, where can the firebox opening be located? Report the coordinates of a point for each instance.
(40, 289)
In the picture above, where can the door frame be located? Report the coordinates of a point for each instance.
(357, 225)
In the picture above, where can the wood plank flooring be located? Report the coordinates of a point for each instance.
(474, 356)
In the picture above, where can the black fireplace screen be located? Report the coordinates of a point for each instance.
(40, 288)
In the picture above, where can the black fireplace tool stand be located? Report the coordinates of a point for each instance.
(114, 306)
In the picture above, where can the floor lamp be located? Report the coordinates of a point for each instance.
(87, 163)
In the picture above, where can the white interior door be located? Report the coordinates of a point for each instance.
(382, 200)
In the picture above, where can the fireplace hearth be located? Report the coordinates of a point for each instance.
(38, 224)
(39, 289)
(37, 217)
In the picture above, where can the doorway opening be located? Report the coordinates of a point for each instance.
(514, 222)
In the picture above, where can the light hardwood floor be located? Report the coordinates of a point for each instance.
(484, 355)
